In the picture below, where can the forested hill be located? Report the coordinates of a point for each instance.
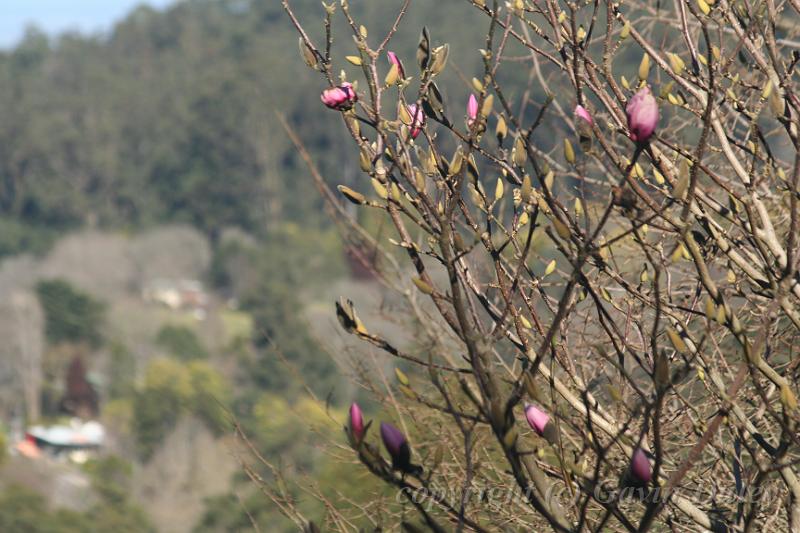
(170, 117)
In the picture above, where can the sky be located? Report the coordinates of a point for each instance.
(57, 16)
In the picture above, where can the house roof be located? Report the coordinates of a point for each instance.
(76, 434)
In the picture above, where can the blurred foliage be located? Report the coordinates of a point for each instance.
(118, 418)
(23, 510)
(230, 512)
(17, 236)
(170, 389)
(171, 118)
(110, 477)
(121, 371)
(270, 281)
(3, 445)
(238, 326)
(71, 315)
(181, 341)
(274, 425)
(111, 481)
(274, 429)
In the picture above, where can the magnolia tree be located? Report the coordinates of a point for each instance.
(604, 280)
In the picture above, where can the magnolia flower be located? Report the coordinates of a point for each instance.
(396, 61)
(394, 440)
(642, 114)
(356, 422)
(397, 446)
(540, 423)
(537, 418)
(637, 477)
(583, 127)
(640, 467)
(472, 110)
(340, 98)
(582, 114)
(417, 119)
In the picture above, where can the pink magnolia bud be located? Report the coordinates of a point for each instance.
(537, 418)
(472, 109)
(582, 114)
(356, 422)
(417, 119)
(394, 60)
(340, 98)
(640, 466)
(642, 114)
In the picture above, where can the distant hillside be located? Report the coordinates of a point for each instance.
(171, 118)
(170, 121)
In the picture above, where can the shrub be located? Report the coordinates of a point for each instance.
(181, 342)
(71, 315)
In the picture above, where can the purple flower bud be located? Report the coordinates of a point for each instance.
(640, 467)
(642, 114)
(396, 61)
(472, 109)
(417, 119)
(356, 422)
(537, 419)
(582, 114)
(393, 439)
(397, 446)
(340, 98)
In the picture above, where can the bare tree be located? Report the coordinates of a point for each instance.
(27, 342)
(622, 253)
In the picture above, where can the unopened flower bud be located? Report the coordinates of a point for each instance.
(356, 423)
(642, 111)
(472, 110)
(640, 469)
(395, 61)
(340, 98)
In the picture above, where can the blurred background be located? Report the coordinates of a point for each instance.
(166, 263)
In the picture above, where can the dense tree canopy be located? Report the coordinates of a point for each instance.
(71, 314)
(169, 117)
(172, 117)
